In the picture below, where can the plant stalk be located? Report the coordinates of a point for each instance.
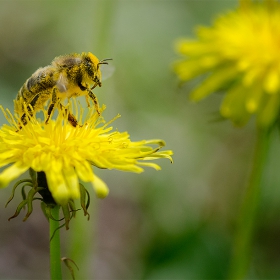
(55, 257)
(242, 249)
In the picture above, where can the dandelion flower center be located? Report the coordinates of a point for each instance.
(66, 154)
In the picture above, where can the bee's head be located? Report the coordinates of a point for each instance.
(93, 68)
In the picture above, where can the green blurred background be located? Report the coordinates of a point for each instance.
(177, 223)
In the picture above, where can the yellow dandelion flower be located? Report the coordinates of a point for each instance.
(66, 154)
(240, 54)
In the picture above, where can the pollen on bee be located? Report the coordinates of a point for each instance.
(67, 77)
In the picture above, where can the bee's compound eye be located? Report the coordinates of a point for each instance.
(88, 63)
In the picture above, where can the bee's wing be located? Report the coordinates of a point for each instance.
(62, 83)
(107, 71)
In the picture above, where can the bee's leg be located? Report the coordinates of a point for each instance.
(95, 101)
(73, 121)
(71, 118)
(55, 99)
(87, 100)
(50, 109)
(24, 118)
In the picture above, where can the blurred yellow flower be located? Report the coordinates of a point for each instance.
(239, 54)
(65, 153)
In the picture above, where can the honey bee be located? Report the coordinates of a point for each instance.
(66, 77)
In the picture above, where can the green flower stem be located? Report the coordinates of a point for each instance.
(55, 258)
(246, 222)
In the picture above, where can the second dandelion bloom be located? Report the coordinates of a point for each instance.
(239, 54)
(66, 154)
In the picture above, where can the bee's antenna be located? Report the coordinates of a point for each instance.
(104, 61)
